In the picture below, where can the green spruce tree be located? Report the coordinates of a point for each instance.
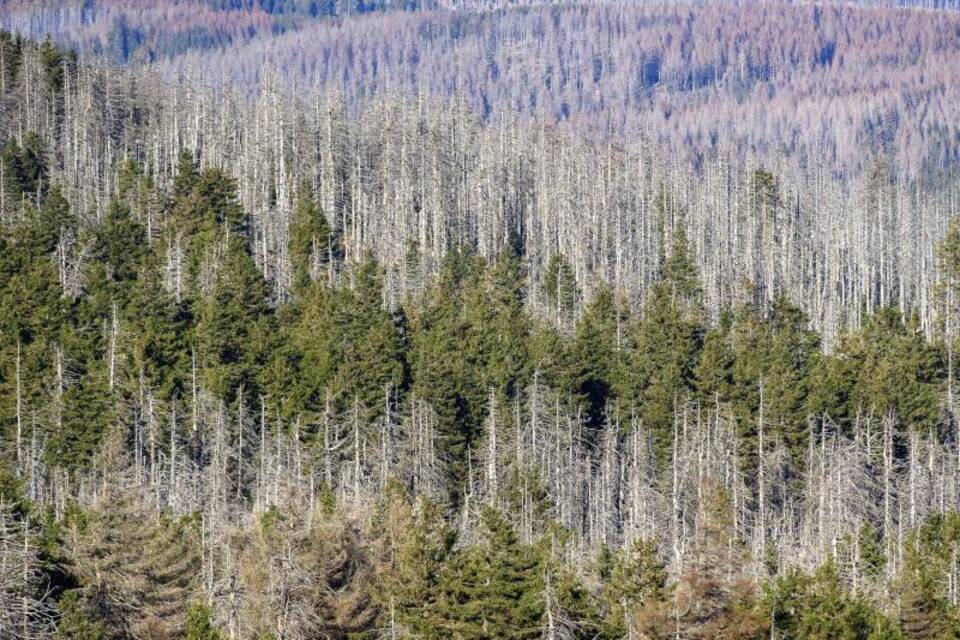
(311, 242)
(659, 366)
(491, 590)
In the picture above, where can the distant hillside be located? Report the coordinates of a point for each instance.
(829, 86)
(825, 85)
(134, 31)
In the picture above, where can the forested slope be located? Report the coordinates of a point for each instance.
(829, 86)
(272, 370)
(129, 31)
(411, 179)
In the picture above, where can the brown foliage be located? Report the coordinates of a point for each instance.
(713, 599)
(304, 583)
(140, 571)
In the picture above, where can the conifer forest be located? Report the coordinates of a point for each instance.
(479, 320)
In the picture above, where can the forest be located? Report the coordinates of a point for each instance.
(295, 364)
(827, 86)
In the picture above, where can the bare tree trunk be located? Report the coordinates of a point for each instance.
(19, 406)
(113, 346)
(761, 484)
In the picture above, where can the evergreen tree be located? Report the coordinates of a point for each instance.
(808, 607)
(32, 306)
(764, 193)
(372, 362)
(45, 227)
(234, 326)
(53, 61)
(213, 204)
(947, 295)
(713, 374)
(119, 246)
(444, 366)
(886, 366)
(571, 609)
(161, 347)
(199, 624)
(134, 187)
(775, 354)
(492, 590)
(24, 167)
(86, 415)
(631, 578)
(347, 345)
(11, 52)
(665, 346)
(186, 178)
(499, 326)
(311, 243)
(596, 353)
(412, 544)
(205, 208)
(77, 621)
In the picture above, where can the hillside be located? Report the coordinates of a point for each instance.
(301, 364)
(823, 85)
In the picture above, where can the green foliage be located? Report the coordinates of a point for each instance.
(499, 326)
(11, 491)
(885, 367)
(765, 193)
(311, 244)
(596, 356)
(119, 248)
(11, 53)
(160, 348)
(346, 346)
(492, 590)
(808, 607)
(774, 356)
(213, 204)
(446, 364)
(77, 620)
(45, 227)
(134, 187)
(948, 251)
(200, 623)
(665, 346)
(186, 179)
(713, 375)
(205, 209)
(31, 306)
(373, 363)
(413, 543)
(53, 61)
(75, 363)
(633, 576)
(871, 554)
(87, 416)
(24, 167)
(234, 325)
